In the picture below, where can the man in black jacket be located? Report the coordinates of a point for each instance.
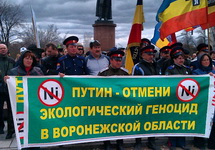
(113, 70)
(147, 66)
(6, 63)
(49, 63)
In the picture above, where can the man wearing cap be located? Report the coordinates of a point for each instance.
(6, 63)
(49, 63)
(178, 68)
(37, 51)
(169, 61)
(146, 67)
(114, 69)
(96, 61)
(123, 58)
(164, 55)
(22, 49)
(177, 44)
(145, 42)
(115, 64)
(71, 64)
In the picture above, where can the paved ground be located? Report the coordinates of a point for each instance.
(128, 145)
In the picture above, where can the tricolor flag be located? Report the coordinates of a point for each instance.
(36, 36)
(132, 53)
(177, 15)
(156, 40)
(211, 15)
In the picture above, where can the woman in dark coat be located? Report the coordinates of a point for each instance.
(26, 66)
(178, 68)
(205, 66)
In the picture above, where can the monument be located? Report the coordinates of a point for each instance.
(104, 28)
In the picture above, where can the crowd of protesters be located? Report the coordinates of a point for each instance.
(73, 60)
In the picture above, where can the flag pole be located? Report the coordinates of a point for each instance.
(36, 36)
(212, 37)
(209, 40)
(134, 40)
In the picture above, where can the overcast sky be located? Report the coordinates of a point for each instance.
(75, 17)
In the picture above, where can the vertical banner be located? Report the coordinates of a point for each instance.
(132, 53)
(15, 85)
(79, 109)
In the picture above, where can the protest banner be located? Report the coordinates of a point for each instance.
(50, 110)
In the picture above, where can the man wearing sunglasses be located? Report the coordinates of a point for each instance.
(80, 50)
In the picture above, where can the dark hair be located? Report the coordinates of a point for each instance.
(204, 56)
(32, 55)
(212, 52)
(80, 47)
(199, 60)
(53, 46)
(94, 43)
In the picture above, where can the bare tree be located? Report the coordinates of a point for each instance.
(48, 35)
(51, 34)
(187, 38)
(201, 38)
(212, 37)
(11, 17)
(188, 41)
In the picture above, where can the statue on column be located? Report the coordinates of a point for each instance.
(103, 10)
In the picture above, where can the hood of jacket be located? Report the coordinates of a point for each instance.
(20, 61)
(199, 60)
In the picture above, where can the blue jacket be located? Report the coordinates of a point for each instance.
(72, 65)
(204, 70)
(201, 69)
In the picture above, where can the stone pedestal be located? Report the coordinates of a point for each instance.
(104, 31)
